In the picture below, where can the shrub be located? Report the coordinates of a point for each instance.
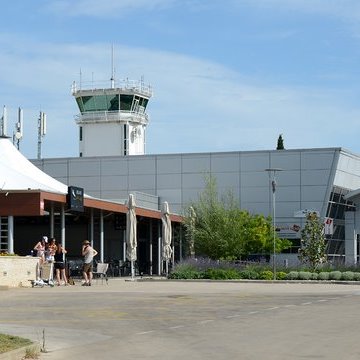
(185, 272)
(314, 276)
(356, 276)
(266, 275)
(324, 275)
(249, 274)
(304, 275)
(221, 274)
(292, 275)
(347, 275)
(334, 275)
(281, 275)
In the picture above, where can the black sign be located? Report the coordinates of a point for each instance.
(75, 199)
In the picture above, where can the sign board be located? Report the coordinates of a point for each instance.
(329, 226)
(288, 231)
(305, 212)
(75, 199)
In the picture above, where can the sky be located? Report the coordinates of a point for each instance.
(227, 75)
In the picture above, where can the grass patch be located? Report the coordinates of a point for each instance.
(9, 342)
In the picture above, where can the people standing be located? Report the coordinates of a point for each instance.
(40, 249)
(50, 250)
(88, 252)
(59, 264)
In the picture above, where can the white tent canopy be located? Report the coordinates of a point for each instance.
(18, 173)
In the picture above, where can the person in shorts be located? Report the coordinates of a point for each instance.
(88, 253)
(59, 264)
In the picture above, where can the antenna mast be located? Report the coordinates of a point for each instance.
(19, 129)
(4, 122)
(41, 131)
(112, 80)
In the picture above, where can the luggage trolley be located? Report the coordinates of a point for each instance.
(46, 277)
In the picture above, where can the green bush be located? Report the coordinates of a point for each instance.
(249, 274)
(281, 275)
(356, 276)
(334, 275)
(314, 276)
(304, 275)
(347, 276)
(221, 274)
(292, 275)
(185, 272)
(324, 275)
(266, 275)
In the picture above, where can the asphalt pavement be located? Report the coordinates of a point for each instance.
(186, 319)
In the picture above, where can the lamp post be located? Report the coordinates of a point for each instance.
(272, 177)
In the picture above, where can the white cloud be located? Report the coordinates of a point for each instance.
(197, 105)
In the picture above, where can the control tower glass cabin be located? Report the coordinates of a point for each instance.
(112, 121)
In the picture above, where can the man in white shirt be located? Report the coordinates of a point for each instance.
(88, 252)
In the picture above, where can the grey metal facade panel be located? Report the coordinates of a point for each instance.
(254, 179)
(142, 183)
(168, 164)
(194, 180)
(315, 177)
(221, 163)
(55, 168)
(254, 162)
(168, 181)
(285, 160)
(114, 167)
(317, 159)
(287, 209)
(227, 179)
(114, 183)
(170, 195)
(141, 165)
(80, 167)
(195, 163)
(313, 193)
(254, 194)
(89, 183)
(288, 193)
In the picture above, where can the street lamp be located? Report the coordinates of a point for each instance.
(272, 177)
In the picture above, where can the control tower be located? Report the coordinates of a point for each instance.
(112, 121)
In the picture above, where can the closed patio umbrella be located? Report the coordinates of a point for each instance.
(131, 234)
(166, 235)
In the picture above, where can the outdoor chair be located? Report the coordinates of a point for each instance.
(101, 272)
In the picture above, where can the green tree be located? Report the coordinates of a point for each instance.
(221, 230)
(313, 244)
(280, 143)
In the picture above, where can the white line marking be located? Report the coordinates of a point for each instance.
(290, 305)
(307, 303)
(253, 312)
(272, 308)
(232, 316)
(176, 327)
(205, 321)
(145, 332)
(321, 300)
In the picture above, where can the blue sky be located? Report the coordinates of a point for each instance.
(227, 75)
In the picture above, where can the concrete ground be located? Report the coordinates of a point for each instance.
(193, 320)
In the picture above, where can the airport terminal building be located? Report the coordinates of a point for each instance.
(113, 163)
(323, 180)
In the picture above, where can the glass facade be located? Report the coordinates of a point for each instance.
(114, 102)
(336, 210)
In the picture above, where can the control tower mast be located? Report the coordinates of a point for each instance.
(112, 121)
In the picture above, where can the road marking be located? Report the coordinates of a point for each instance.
(253, 312)
(272, 308)
(145, 332)
(306, 303)
(290, 305)
(176, 327)
(205, 321)
(322, 300)
(232, 316)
